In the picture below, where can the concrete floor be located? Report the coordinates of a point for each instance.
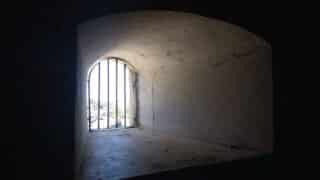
(117, 154)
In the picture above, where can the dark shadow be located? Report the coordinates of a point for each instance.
(257, 168)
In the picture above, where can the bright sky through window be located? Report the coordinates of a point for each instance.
(115, 99)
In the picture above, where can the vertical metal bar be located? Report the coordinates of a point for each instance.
(124, 94)
(89, 108)
(108, 94)
(99, 95)
(116, 93)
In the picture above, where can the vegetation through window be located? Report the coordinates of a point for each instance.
(111, 94)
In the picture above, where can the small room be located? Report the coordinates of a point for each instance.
(164, 90)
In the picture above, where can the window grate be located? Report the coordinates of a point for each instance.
(110, 95)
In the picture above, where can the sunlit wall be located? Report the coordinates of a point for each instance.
(198, 78)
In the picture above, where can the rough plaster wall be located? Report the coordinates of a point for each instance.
(197, 77)
(81, 129)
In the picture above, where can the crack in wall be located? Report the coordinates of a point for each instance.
(152, 97)
(237, 55)
(248, 52)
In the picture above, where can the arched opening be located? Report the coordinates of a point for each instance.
(205, 94)
(111, 94)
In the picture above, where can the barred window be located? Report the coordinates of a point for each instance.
(111, 94)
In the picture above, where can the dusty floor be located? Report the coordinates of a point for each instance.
(118, 154)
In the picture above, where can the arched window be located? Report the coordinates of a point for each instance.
(111, 94)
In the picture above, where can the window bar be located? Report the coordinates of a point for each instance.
(124, 93)
(89, 102)
(116, 93)
(108, 94)
(99, 95)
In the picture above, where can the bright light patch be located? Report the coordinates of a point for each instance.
(111, 95)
